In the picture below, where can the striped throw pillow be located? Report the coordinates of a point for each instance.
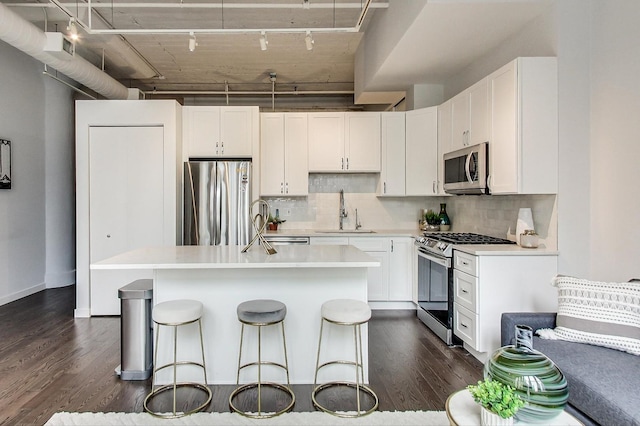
(599, 313)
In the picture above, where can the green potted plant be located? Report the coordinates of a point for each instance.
(499, 402)
(433, 220)
(273, 222)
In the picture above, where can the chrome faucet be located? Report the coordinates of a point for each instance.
(343, 211)
(358, 224)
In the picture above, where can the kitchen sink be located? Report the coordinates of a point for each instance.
(346, 231)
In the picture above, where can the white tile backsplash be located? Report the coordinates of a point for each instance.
(491, 215)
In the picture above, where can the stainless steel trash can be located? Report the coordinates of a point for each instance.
(136, 330)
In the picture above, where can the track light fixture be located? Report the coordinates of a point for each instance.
(305, 4)
(309, 41)
(263, 41)
(73, 29)
(192, 42)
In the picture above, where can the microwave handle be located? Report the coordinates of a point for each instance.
(466, 167)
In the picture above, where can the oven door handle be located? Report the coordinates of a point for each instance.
(443, 261)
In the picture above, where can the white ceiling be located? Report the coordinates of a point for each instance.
(444, 38)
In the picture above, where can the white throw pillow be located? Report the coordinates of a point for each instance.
(599, 313)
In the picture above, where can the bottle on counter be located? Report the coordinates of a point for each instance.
(445, 222)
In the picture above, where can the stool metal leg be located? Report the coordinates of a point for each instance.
(157, 389)
(358, 385)
(259, 370)
(286, 360)
(175, 366)
(259, 384)
(315, 378)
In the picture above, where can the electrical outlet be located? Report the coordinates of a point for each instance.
(287, 212)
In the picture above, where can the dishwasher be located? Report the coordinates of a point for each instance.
(281, 240)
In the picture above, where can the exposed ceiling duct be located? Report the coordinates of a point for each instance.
(26, 37)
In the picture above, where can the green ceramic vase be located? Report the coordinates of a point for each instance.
(536, 378)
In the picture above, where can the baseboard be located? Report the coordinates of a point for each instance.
(60, 279)
(82, 313)
(392, 305)
(22, 293)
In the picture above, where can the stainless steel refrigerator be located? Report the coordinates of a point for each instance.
(217, 198)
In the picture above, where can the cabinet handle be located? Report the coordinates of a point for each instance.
(464, 325)
(286, 188)
(342, 164)
(384, 191)
(433, 187)
(464, 291)
(347, 163)
(108, 235)
(281, 187)
(391, 246)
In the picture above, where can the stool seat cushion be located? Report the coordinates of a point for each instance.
(347, 311)
(177, 311)
(261, 311)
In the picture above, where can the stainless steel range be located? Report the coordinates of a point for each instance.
(435, 278)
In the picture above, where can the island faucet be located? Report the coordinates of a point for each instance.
(343, 211)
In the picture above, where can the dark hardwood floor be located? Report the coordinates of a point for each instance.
(50, 361)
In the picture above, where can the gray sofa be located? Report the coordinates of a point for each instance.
(604, 384)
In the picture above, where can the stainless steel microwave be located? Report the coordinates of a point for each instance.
(466, 170)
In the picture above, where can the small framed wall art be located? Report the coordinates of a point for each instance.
(5, 164)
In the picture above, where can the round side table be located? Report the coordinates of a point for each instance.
(462, 410)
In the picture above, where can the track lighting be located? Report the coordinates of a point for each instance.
(305, 4)
(263, 41)
(73, 29)
(192, 42)
(309, 41)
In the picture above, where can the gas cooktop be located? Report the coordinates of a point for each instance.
(442, 242)
(466, 238)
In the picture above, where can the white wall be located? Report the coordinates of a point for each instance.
(615, 140)
(29, 209)
(59, 185)
(562, 32)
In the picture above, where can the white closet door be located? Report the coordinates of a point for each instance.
(126, 189)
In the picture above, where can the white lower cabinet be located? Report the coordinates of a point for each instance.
(377, 278)
(392, 281)
(486, 286)
(400, 264)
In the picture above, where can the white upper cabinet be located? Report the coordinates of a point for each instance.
(210, 131)
(284, 168)
(344, 142)
(422, 152)
(326, 141)
(392, 173)
(470, 116)
(362, 141)
(523, 148)
(444, 140)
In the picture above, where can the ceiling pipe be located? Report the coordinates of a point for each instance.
(24, 36)
(248, 92)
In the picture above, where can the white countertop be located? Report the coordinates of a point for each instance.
(344, 233)
(503, 250)
(230, 257)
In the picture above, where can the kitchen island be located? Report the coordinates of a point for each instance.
(221, 277)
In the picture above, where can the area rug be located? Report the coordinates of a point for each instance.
(421, 418)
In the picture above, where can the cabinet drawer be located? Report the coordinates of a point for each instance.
(465, 262)
(465, 289)
(465, 325)
(370, 243)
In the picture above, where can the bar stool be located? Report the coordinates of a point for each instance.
(177, 313)
(261, 313)
(352, 313)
